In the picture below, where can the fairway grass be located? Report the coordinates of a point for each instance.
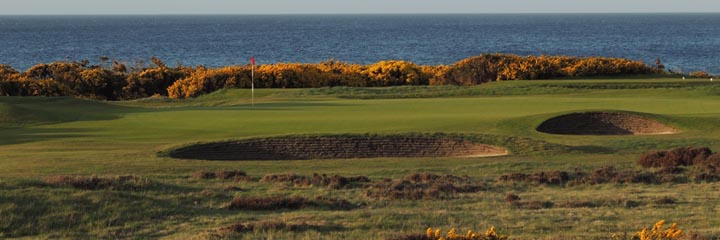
(42, 137)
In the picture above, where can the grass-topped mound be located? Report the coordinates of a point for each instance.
(604, 123)
(337, 147)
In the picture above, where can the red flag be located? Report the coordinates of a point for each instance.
(252, 60)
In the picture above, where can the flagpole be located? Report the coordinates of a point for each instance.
(252, 82)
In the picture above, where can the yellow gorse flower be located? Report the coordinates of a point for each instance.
(657, 232)
(490, 234)
(451, 234)
(469, 234)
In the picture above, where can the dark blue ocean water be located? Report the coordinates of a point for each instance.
(684, 42)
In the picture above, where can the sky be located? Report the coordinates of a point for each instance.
(23, 7)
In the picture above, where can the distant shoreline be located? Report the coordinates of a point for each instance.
(354, 14)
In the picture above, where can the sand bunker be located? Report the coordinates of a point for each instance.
(336, 147)
(604, 123)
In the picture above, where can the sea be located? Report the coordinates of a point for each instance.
(683, 42)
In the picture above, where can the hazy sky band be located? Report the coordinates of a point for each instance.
(22, 7)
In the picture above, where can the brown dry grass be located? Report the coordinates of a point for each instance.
(706, 171)
(551, 178)
(578, 204)
(610, 174)
(269, 203)
(262, 226)
(97, 183)
(237, 230)
(283, 202)
(321, 180)
(411, 237)
(511, 198)
(514, 200)
(702, 165)
(602, 175)
(665, 200)
(683, 156)
(423, 186)
(236, 175)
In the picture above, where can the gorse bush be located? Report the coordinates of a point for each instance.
(115, 82)
(394, 73)
(498, 67)
(297, 75)
(490, 234)
(437, 234)
(699, 74)
(658, 233)
(204, 80)
(80, 80)
(673, 232)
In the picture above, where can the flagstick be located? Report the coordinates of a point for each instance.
(252, 83)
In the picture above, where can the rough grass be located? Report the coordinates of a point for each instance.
(602, 175)
(236, 175)
(317, 180)
(269, 226)
(291, 203)
(676, 165)
(98, 183)
(420, 186)
(683, 156)
(553, 178)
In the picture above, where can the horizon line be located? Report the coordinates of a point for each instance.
(389, 13)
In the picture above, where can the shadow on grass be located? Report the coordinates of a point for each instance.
(12, 136)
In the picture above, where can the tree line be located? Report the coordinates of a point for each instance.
(116, 82)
